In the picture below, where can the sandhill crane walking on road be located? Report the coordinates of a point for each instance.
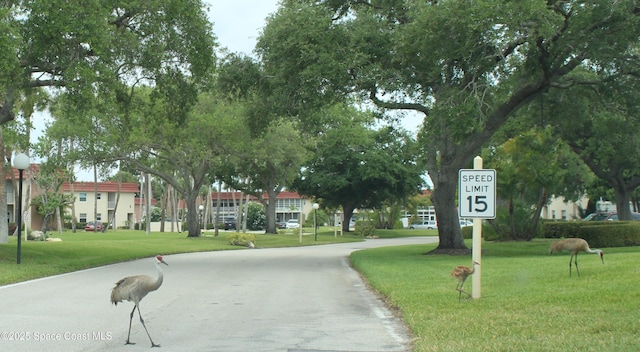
(574, 245)
(133, 289)
(462, 273)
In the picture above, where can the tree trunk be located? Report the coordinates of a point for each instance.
(148, 204)
(533, 229)
(216, 222)
(112, 220)
(210, 206)
(4, 221)
(192, 215)
(444, 201)
(95, 196)
(72, 189)
(622, 202)
(59, 220)
(246, 211)
(163, 208)
(270, 211)
(237, 209)
(348, 213)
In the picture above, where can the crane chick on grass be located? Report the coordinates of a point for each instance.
(462, 273)
(133, 289)
(574, 246)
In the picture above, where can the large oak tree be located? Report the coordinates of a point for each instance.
(100, 50)
(466, 66)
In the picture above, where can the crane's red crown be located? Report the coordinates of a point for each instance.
(159, 258)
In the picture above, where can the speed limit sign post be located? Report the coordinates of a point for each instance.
(477, 192)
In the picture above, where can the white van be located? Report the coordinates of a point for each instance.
(424, 225)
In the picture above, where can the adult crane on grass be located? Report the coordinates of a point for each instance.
(133, 289)
(461, 273)
(574, 246)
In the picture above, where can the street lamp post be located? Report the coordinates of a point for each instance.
(315, 219)
(21, 162)
(201, 208)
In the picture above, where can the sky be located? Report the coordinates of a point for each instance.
(237, 25)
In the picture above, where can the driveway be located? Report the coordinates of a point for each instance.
(282, 299)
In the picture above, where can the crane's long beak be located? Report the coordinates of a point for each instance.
(163, 262)
(602, 258)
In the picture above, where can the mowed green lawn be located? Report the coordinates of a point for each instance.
(528, 301)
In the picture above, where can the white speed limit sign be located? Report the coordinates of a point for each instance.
(477, 193)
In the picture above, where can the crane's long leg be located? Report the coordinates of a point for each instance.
(576, 260)
(460, 291)
(130, 319)
(145, 328)
(570, 260)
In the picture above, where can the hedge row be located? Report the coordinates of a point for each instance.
(599, 234)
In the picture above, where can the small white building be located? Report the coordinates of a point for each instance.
(101, 206)
(560, 209)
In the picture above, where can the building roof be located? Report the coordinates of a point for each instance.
(138, 201)
(125, 187)
(33, 168)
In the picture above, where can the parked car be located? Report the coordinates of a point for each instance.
(464, 223)
(424, 225)
(282, 224)
(293, 224)
(609, 216)
(230, 224)
(92, 226)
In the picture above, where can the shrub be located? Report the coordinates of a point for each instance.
(256, 217)
(467, 232)
(365, 228)
(616, 234)
(488, 233)
(560, 229)
(241, 239)
(597, 233)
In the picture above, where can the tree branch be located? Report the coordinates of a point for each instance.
(395, 105)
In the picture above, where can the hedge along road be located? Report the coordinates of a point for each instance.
(280, 299)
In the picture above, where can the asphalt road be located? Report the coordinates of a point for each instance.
(285, 299)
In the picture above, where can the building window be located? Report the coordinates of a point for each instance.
(98, 217)
(564, 215)
(98, 196)
(83, 197)
(82, 217)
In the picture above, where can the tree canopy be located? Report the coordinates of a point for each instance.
(355, 166)
(93, 47)
(602, 125)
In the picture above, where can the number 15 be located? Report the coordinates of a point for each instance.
(481, 204)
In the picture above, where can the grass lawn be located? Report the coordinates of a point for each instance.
(84, 250)
(528, 303)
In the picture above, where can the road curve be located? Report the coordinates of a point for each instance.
(283, 299)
